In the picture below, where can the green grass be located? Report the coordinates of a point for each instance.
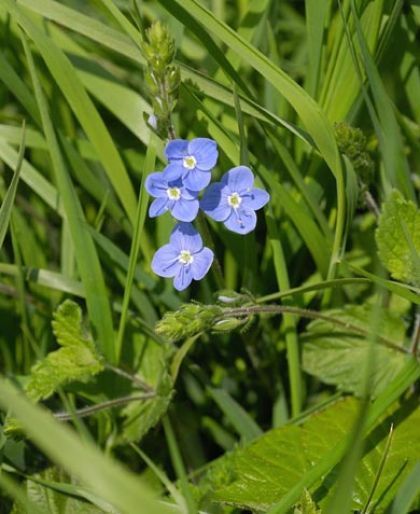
(225, 414)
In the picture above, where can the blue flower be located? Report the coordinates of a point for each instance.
(171, 196)
(184, 258)
(192, 161)
(234, 200)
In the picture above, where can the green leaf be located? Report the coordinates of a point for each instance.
(105, 477)
(140, 417)
(265, 470)
(76, 360)
(339, 357)
(398, 238)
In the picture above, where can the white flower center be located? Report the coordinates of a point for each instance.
(185, 257)
(174, 193)
(234, 200)
(189, 162)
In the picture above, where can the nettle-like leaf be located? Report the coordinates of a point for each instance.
(340, 357)
(76, 360)
(140, 417)
(398, 238)
(262, 472)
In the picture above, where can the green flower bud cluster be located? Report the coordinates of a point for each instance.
(352, 143)
(162, 76)
(190, 319)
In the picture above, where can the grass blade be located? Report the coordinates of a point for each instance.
(407, 492)
(104, 476)
(149, 166)
(9, 198)
(240, 419)
(86, 256)
(82, 106)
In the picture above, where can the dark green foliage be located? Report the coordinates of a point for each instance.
(279, 374)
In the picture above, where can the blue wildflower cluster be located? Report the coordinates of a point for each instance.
(176, 189)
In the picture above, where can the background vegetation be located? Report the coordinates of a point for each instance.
(291, 385)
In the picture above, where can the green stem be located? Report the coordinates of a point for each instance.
(326, 284)
(141, 384)
(289, 322)
(339, 242)
(93, 409)
(178, 465)
(310, 314)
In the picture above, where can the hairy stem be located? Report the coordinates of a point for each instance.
(135, 379)
(310, 314)
(93, 409)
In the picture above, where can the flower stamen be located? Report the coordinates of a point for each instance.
(234, 200)
(174, 193)
(189, 162)
(185, 257)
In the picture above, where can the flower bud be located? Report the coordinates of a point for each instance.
(189, 320)
(226, 325)
(352, 142)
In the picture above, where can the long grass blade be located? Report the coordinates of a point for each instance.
(86, 256)
(79, 101)
(108, 479)
(9, 198)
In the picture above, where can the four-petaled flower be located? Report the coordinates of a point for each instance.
(171, 196)
(192, 161)
(234, 200)
(184, 258)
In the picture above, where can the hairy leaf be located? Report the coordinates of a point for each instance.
(76, 360)
(343, 358)
(261, 473)
(398, 238)
(139, 418)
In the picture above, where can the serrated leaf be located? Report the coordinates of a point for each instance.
(340, 357)
(76, 360)
(398, 238)
(264, 471)
(67, 326)
(139, 418)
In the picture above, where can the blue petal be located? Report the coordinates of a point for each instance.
(173, 171)
(183, 278)
(196, 180)
(156, 185)
(176, 149)
(214, 202)
(205, 152)
(239, 179)
(158, 207)
(201, 263)
(185, 210)
(175, 183)
(188, 194)
(185, 237)
(165, 262)
(241, 221)
(255, 199)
